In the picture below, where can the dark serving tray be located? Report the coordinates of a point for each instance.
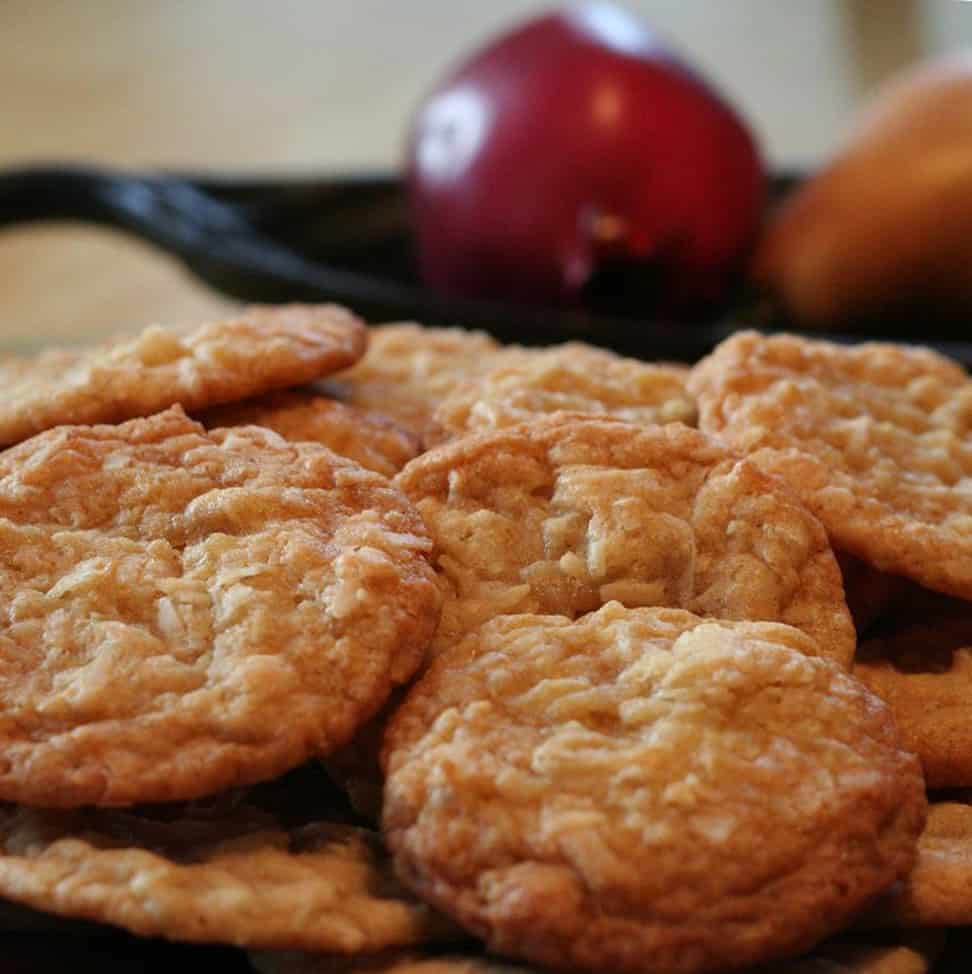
(346, 238)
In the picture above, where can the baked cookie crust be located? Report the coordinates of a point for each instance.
(644, 790)
(260, 349)
(184, 612)
(875, 439)
(569, 512)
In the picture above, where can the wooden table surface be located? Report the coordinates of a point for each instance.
(305, 85)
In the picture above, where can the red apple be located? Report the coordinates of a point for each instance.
(571, 143)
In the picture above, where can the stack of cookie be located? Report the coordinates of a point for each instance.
(188, 613)
(585, 668)
(876, 440)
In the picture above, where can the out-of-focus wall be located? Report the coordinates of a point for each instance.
(332, 82)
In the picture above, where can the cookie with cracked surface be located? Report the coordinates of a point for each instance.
(262, 348)
(876, 440)
(922, 668)
(566, 513)
(236, 876)
(572, 377)
(367, 437)
(408, 370)
(185, 611)
(662, 791)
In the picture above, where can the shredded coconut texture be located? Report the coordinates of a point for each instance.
(261, 349)
(183, 612)
(875, 439)
(409, 369)
(646, 791)
(239, 878)
(572, 377)
(368, 438)
(569, 512)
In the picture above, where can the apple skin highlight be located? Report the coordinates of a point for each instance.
(575, 140)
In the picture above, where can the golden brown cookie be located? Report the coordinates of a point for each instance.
(409, 369)
(938, 890)
(185, 611)
(911, 952)
(875, 439)
(237, 877)
(645, 790)
(261, 349)
(922, 668)
(574, 377)
(300, 415)
(566, 513)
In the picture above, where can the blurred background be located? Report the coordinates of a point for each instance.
(313, 85)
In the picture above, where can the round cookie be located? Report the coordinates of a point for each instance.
(568, 512)
(662, 792)
(875, 439)
(921, 666)
(183, 612)
(261, 349)
(237, 877)
(409, 369)
(574, 377)
(366, 437)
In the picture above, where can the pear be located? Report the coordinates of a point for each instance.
(883, 233)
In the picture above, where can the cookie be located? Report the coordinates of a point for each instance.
(236, 878)
(923, 670)
(409, 369)
(913, 952)
(938, 890)
(366, 437)
(185, 611)
(566, 513)
(261, 349)
(573, 377)
(645, 790)
(875, 439)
